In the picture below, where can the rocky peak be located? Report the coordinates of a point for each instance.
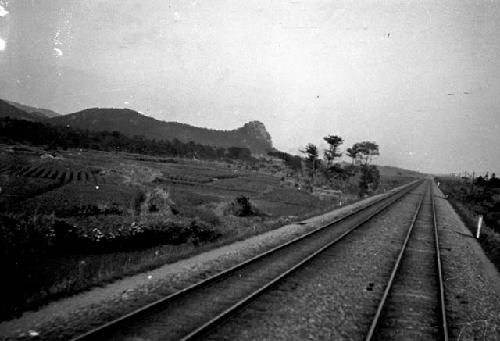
(257, 129)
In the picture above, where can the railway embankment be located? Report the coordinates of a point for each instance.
(472, 283)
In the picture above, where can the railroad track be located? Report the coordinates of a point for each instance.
(191, 312)
(412, 306)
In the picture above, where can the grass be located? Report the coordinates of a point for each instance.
(489, 239)
(38, 253)
(44, 279)
(465, 208)
(72, 195)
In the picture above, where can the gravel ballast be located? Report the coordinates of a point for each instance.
(334, 295)
(68, 317)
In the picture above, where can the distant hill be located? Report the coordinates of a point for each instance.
(391, 171)
(7, 109)
(395, 171)
(252, 135)
(45, 113)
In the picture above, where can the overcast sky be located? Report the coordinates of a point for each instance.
(421, 78)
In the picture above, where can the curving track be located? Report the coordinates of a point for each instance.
(191, 312)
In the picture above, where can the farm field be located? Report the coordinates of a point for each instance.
(77, 218)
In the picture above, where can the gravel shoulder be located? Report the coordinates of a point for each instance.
(71, 316)
(472, 283)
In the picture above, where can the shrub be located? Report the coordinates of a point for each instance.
(369, 180)
(137, 200)
(242, 207)
(200, 232)
(164, 232)
(27, 244)
(157, 200)
(24, 235)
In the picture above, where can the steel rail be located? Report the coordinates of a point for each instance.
(199, 332)
(388, 286)
(442, 301)
(376, 318)
(391, 199)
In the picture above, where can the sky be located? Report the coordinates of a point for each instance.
(421, 78)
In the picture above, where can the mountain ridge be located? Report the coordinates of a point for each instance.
(34, 110)
(252, 135)
(7, 109)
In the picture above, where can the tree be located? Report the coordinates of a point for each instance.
(241, 153)
(369, 180)
(332, 152)
(352, 153)
(366, 150)
(336, 172)
(312, 154)
(292, 161)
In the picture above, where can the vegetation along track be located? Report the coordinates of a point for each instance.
(188, 313)
(412, 306)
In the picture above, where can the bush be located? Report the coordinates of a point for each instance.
(136, 202)
(28, 244)
(369, 180)
(200, 232)
(242, 207)
(24, 237)
(157, 200)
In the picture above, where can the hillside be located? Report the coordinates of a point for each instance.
(45, 113)
(7, 109)
(252, 135)
(391, 171)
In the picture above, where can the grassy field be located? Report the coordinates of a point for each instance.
(80, 218)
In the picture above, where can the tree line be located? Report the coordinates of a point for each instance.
(330, 169)
(54, 137)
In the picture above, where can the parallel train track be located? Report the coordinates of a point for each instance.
(412, 306)
(189, 313)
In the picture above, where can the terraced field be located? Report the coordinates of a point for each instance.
(61, 173)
